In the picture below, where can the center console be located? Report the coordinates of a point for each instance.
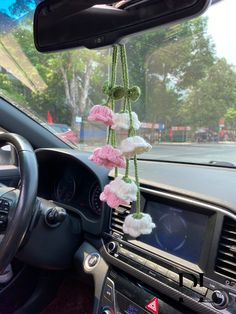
(122, 295)
(176, 260)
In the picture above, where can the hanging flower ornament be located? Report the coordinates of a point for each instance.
(119, 192)
(108, 156)
(134, 145)
(122, 190)
(122, 121)
(102, 114)
(135, 226)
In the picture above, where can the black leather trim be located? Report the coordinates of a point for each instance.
(27, 196)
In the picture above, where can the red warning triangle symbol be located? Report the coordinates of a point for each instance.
(152, 306)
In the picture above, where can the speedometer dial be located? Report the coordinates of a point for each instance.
(65, 189)
(94, 199)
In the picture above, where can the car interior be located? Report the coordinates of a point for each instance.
(62, 249)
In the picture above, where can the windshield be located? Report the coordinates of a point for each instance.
(186, 72)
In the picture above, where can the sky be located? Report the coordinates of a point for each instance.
(222, 27)
(5, 4)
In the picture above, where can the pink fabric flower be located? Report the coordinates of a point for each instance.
(112, 199)
(101, 114)
(108, 157)
(118, 192)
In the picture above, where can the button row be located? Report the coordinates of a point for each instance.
(3, 221)
(4, 202)
(109, 290)
(4, 205)
(154, 268)
(4, 209)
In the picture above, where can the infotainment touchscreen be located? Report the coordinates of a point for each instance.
(179, 232)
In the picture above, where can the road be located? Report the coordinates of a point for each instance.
(194, 152)
(187, 152)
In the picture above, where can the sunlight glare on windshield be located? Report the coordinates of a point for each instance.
(16, 9)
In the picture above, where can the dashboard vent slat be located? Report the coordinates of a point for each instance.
(117, 218)
(226, 256)
(230, 233)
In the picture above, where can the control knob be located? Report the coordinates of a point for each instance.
(106, 312)
(112, 246)
(219, 299)
(55, 216)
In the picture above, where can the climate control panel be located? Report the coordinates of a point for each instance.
(191, 284)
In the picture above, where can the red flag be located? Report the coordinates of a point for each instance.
(49, 118)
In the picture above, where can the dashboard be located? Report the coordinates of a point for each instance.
(66, 181)
(190, 257)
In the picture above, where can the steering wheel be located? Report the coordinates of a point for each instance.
(17, 205)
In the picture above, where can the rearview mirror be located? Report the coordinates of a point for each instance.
(63, 24)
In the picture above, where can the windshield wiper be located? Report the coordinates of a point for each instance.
(222, 163)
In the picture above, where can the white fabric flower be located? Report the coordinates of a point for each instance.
(135, 227)
(133, 146)
(123, 190)
(122, 121)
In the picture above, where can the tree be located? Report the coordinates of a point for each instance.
(169, 62)
(182, 80)
(212, 96)
(68, 75)
(230, 118)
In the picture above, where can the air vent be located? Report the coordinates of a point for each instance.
(226, 256)
(118, 217)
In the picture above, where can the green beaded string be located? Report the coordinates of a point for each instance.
(111, 138)
(125, 78)
(132, 131)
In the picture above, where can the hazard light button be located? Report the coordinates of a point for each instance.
(152, 306)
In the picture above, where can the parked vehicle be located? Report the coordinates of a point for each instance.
(64, 132)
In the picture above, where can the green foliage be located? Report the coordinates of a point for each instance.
(166, 63)
(64, 74)
(182, 81)
(230, 118)
(211, 97)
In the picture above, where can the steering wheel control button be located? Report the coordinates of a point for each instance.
(92, 261)
(4, 205)
(55, 216)
(220, 299)
(4, 210)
